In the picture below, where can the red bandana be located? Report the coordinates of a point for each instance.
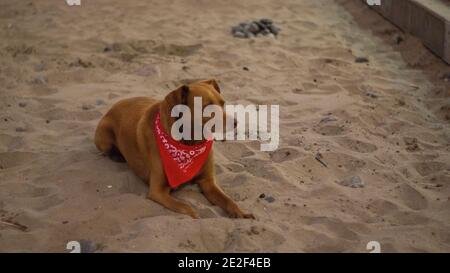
(181, 162)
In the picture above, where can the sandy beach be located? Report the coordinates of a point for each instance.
(380, 124)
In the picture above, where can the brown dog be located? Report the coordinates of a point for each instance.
(128, 128)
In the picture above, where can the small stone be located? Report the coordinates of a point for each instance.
(99, 102)
(86, 106)
(274, 29)
(361, 60)
(266, 21)
(22, 104)
(327, 119)
(65, 222)
(246, 68)
(254, 28)
(254, 230)
(109, 186)
(399, 39)
(411, 144)
(40, 80)
(265, 32)
(269, 199)
(240, 34)
(262, 195)
(82, 63)
(353, 182)
(371, 95)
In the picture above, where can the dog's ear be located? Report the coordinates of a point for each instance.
(177, 96)
(214, 84)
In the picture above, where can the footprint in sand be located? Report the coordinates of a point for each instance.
(235, 180)
(335, 226)
(10, 143)
(382, 207)
(24, 189)
(356, 145)
(235, 168)
(242, 239)
(262, 168)
(14, 159)
(411, 197)
(136, 47)
(313, 241)
(61, 114)
(344, 161)
(27, 195)
(284, 154)
(331, 130)
(234, 151)
(431, 167)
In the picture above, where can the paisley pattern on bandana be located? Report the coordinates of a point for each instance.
(181, 162)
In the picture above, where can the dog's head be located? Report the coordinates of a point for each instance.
(210, 94)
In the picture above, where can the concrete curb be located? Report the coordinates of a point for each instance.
(429, 20)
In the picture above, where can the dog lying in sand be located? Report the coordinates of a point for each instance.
(139, 129)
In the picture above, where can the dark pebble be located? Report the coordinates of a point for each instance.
(399, 40)
(372, 95)
(269, 199)
(262, 195)
(274, 29)
(239, 34)
(266, 21)
(361, 60)
(86, 107)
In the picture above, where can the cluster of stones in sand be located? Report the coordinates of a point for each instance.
(263, 27)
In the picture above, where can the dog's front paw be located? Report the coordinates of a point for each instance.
(235, 212)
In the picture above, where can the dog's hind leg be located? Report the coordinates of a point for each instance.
(104, 137)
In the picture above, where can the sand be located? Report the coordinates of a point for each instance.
(385, 121)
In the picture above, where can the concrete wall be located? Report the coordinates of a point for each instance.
(429, 20)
